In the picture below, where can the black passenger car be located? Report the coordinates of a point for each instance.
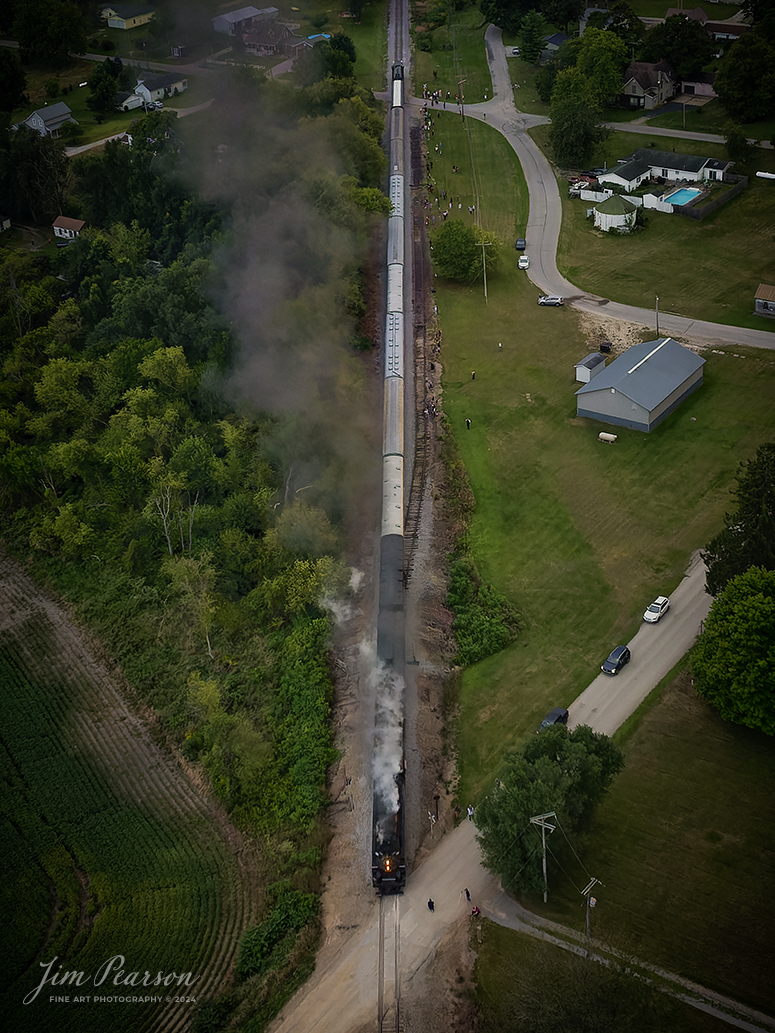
(558, 716)
(616, 661)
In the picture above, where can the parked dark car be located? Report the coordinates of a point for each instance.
(558, 716)
(616, 661)
(521, 244)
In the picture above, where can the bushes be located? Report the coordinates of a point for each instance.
(485, 621)
(267, 945)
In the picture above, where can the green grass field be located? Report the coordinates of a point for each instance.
(458, 53)
(580, 537)
(709, 269)
(684, 846)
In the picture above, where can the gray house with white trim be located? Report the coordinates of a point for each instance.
(643, 386)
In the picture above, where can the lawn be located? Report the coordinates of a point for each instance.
(711, 118)
(709, 269)
(370, 39)
(458, 53)
(691, 822)
(516, 974)
(580, 537)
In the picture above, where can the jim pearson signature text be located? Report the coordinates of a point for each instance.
(113, 969)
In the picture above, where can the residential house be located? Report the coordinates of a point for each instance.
(127, 16)
(554, 41)
(726, 30)
(629, 175)
(49, 120)
(615, 213)
(157, 87)
(666, 165)
(66, 230)
(640, 388)
(266, 40)
(764, 300)
(234, 23)
(700, 85)
(648, 85)
(5, 223)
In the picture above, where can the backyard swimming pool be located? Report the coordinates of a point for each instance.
(682, 196)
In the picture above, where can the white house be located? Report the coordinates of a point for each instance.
(686, 168)
(66, 230)
(157, 87)
(643, 386)
(628, 175)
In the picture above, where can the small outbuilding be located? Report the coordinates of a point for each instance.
(615, 213)
(764, 301)
(643, 386)
(589, 367)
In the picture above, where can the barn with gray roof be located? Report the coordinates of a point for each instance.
(643, 386)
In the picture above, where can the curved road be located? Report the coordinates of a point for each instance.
(341, 995)
(543, 227)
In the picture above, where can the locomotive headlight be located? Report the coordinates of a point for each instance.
(388, 864)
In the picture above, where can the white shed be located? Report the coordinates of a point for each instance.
(589, 367)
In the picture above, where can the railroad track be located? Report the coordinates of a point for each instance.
(389, 1018)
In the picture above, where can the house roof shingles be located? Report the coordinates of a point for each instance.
(765, 292)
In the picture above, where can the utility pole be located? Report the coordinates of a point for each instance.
(657, 315)
(586, 892)
(462, 100)
(541, 820)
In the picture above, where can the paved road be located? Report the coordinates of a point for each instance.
(543, 227)
(656, 648)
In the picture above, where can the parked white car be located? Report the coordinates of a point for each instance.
(659, 607)
(524, 262)
(550, 299)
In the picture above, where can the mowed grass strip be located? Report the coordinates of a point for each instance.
(684, 845)
(708, 270)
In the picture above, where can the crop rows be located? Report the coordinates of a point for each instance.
(109, 836)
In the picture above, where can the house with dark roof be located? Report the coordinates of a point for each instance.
(648, 84)
(764, 300)
(234, 23)
(665, 165)
(640, 388)
(49, 120)
(700, 85)
(267, 39)
(554, 41)
(66, 230)
(157, 87)
(628, 175)
(126, 16)
(697, 15)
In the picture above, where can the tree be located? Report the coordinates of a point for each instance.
(748, 538)
(733, 660)
(561, 771)
(575, 131)
(737, 145)
(103, 85)
(13, 81)
(454, 250)
(48, 30)
(507, 14)
(621, 20)
(681, 41)
(745, 81)
(532, 37)
(602, 58)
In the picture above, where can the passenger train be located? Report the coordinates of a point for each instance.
(388, 864)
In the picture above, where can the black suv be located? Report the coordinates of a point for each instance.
(616, 661)
(521, 244)
(558, 716)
